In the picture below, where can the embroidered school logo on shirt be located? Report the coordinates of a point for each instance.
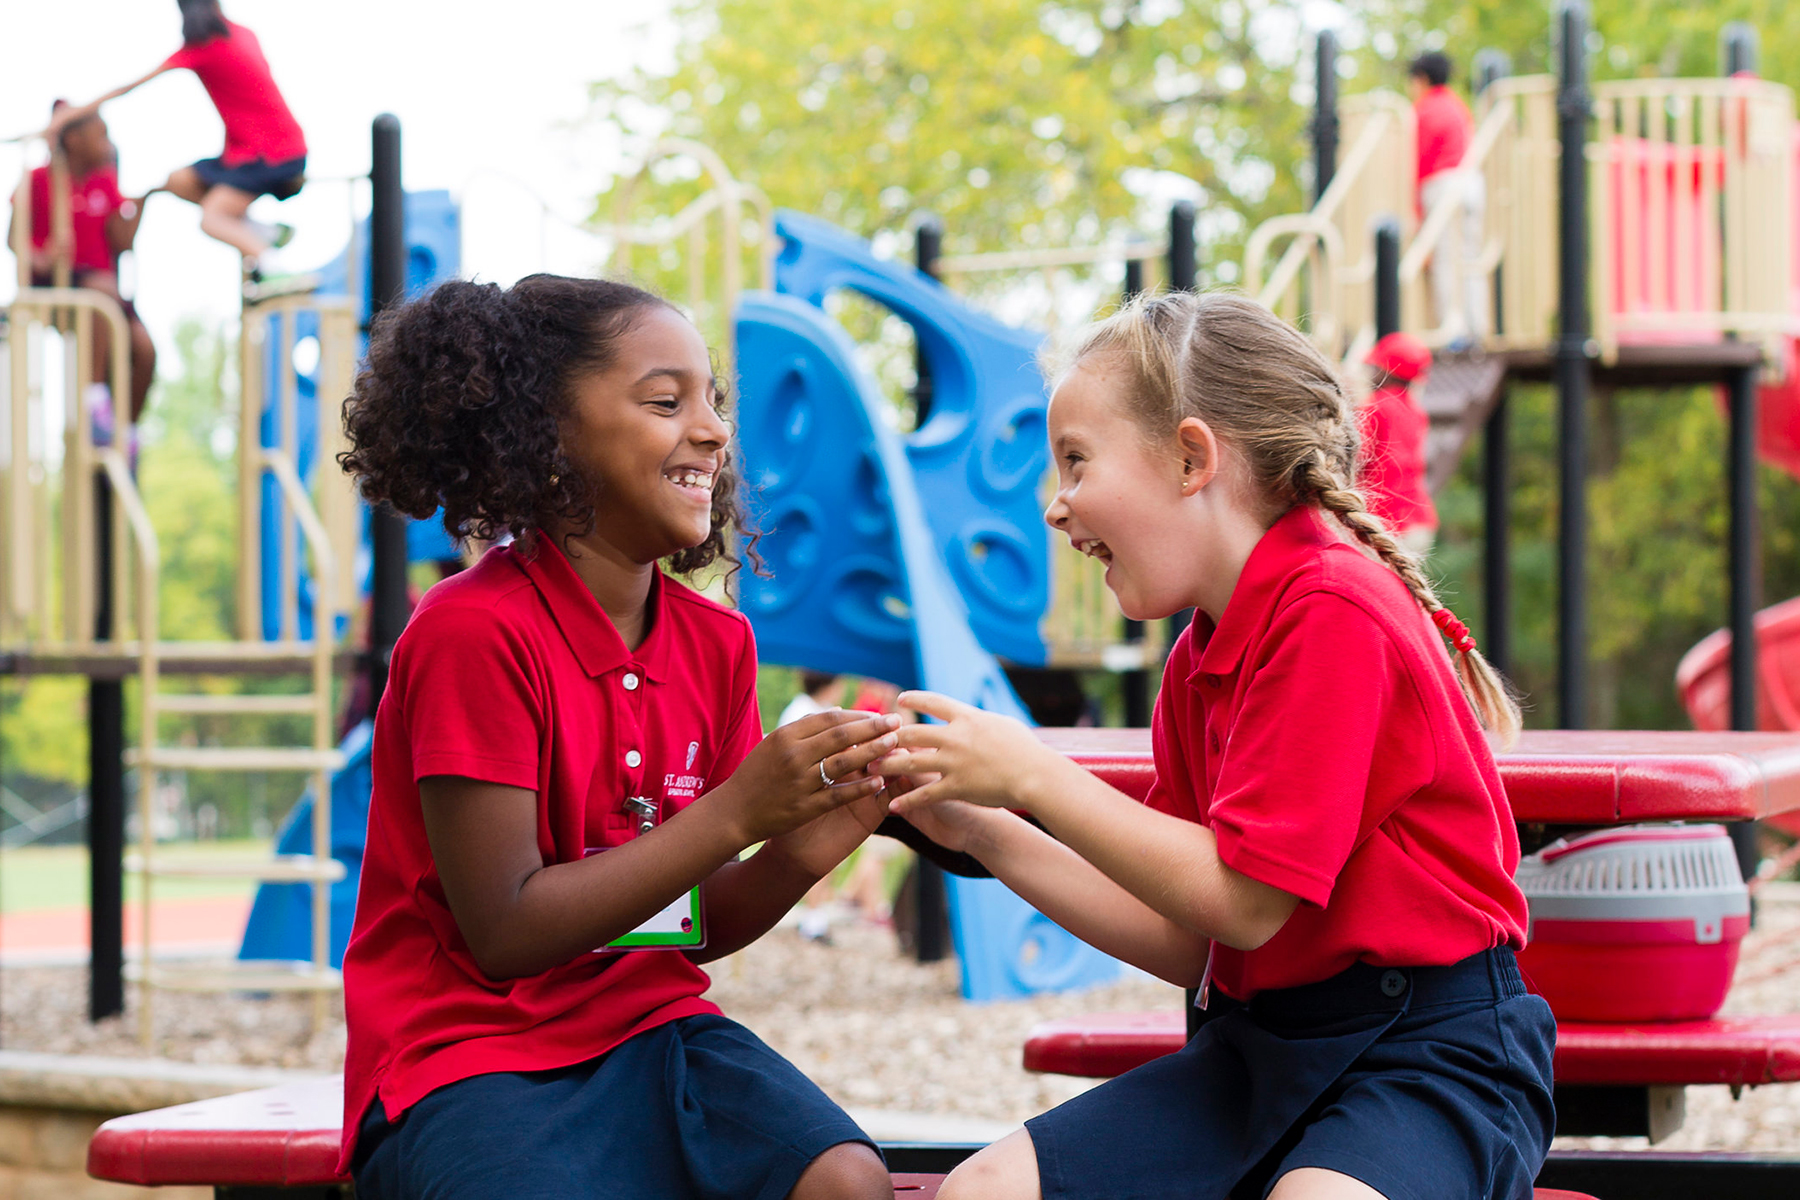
(693, 749)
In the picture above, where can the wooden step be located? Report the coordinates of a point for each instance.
(279, 868)
(209, 702)
(236, 758)
(119, 660)
(239, 975)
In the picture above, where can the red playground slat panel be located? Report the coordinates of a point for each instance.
(1566, 777)
(1738, 1050)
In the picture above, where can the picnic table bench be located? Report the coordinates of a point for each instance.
(1611, 1079)
(282, 1142)
(1615, 1078)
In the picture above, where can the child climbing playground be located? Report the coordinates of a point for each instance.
(265, 149)
(102, 226)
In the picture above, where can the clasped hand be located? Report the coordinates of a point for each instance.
(978, 757)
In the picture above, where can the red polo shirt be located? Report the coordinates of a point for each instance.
(92, 199)
(232, 69)
(511, 673)
(1394, 429)
(1444, 130)
(1320, 732)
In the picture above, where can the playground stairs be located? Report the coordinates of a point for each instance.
(79, 582)
(1459, 396)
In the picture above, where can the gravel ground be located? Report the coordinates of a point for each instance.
(876, 1030)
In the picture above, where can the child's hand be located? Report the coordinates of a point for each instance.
(980, 757)
(807, 769)
(950, 823)
(823, 842)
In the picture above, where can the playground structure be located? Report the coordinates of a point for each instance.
(84, 601)
(1689, 187)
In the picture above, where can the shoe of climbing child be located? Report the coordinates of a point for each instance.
(98, 399)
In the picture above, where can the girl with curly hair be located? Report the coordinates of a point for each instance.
(569, 763)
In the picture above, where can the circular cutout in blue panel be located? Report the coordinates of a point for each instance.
(778, 447)
(994, 564)
(866, 598)
(1047, 956)
(793, 550)
(870, 509)
(1013, 452)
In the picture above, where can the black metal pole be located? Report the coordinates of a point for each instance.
(1135, 683)
(1746, 582)
(1490, 67)
(106, 792)
(930, 897)
(387, 286)
(928, 243)
(1184, 276)
(1496, 503)
(1573, 368)
(1184, 255)
(1325, 118)
(1387, 277)
(1738, 50)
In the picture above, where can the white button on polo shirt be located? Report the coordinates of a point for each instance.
(631, 682)
(633, 758)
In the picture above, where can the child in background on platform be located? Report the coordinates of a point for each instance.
(102, 226)
(1394, 429)
(569, 751)
(1443, 131)
(265, 150)
(1325, 852)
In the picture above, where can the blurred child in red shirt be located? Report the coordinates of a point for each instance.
(1444, 131)
(265, 150)
(102, 226)
(1394, 427)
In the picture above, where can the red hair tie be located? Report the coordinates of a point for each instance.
(1455, 630)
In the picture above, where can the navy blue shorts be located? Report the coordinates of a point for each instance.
(698, 1108)
(1427, 1083)
(281, 180)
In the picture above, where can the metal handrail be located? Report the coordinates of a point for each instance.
(28, 573)
(325, 569)
(1056, 256)
(731, 195)
(1348, 175)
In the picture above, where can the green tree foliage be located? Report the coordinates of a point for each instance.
(1043, 124)
(1018, 124)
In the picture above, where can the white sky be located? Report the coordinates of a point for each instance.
(482, 88)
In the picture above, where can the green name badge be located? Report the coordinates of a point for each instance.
(676, 927)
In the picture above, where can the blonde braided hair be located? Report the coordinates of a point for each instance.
(1274, 400)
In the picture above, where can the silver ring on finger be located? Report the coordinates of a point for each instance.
(827, 780)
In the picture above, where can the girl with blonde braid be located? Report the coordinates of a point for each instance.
(1326, 853)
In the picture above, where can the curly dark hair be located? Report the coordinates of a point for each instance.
(460, 401)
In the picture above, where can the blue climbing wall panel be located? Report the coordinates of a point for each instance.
(434, 253)
(1009, 950)
(981, 455)
(856, 583)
